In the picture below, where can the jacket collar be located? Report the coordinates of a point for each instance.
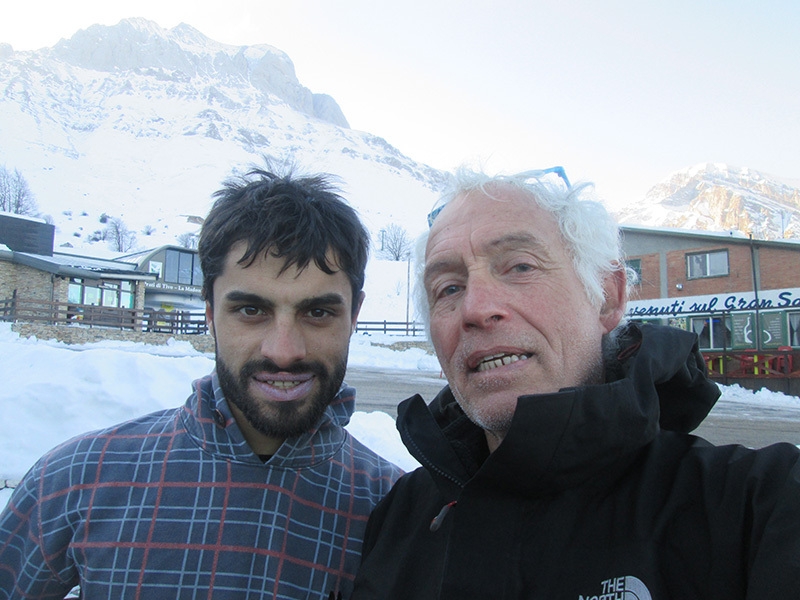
(556, 440)
(208, 419)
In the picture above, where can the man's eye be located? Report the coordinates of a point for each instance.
(318, 313)
(450, 290)
(522, 268)
(250, 311)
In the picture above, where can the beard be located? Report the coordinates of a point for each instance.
(493, 419)
(281, 420)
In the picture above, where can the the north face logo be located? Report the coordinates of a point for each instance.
(621, 588)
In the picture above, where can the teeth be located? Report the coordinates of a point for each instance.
(498, 360)
(284, 385)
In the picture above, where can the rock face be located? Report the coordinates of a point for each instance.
(141, 123)
(183, 54)
(719, 197)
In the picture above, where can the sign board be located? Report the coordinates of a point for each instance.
(782, 299)
(773, 330)
(743, 330)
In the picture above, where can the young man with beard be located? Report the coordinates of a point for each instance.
(557, 464)
(252, 489)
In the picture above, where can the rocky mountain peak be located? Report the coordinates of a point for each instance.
(720, 197)
(179, 54)
(142, 124)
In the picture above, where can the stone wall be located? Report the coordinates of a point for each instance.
(33, 284)
(423, 344)
(29, 283)
(7, 279)
(75, 334)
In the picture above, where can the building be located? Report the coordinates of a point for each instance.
(178, 279)
(30, 270)
(735, 292)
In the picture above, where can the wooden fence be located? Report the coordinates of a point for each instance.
(752, 363)
(109, 317)
(156, 321)
(395, 327)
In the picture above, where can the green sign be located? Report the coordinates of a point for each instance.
(773, 330)
(743, 334)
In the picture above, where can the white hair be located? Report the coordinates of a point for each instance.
(590, 234)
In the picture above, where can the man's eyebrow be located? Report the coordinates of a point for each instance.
(513, 241)
(240, 297)
(331, 299)
(438, 267)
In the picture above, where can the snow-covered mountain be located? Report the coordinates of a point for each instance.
(143, 124)
(719, 197)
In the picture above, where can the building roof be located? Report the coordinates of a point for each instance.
(143, 256)
(70, 265)
(721, 237)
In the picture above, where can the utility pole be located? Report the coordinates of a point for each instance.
(408, 289)
(755, 292)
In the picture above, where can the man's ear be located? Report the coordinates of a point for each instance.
(615, 290)
(210, 318)
(356, 310)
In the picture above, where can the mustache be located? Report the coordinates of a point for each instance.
(265, 365)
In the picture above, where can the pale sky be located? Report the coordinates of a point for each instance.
(619, 92)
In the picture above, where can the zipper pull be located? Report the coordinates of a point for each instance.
(436, 523)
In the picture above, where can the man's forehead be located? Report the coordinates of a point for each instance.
(268, 257)
(488, 202)
(266, 277)
(493, 223)
(512, 241)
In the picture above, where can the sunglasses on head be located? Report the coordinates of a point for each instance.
(538, 174)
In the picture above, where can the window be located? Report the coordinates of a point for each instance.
(708, 264)
(635, 264)
(714, 333)
(75, 291)
(183, 268)
(126, 296)
(97, 292)
(794, 329)
(110, 294)
(91, 295)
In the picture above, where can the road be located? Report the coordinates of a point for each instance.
(384, 389)
(729, 423)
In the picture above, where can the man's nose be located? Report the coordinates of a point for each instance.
(284, 343)
(482, 304)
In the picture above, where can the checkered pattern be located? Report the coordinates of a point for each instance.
(176, 505)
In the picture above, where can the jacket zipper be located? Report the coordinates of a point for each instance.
(436, 523)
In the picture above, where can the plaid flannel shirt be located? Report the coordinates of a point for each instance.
(176, 505)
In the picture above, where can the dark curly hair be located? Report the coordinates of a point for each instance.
(298, 219)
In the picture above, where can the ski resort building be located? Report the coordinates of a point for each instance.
(733, 291)
(741, 296)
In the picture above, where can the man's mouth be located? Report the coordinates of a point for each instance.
(499, 360)
(283, 385)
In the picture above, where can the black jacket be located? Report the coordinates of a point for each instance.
(596, 492)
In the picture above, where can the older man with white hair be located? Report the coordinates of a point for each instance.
(558, 463)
